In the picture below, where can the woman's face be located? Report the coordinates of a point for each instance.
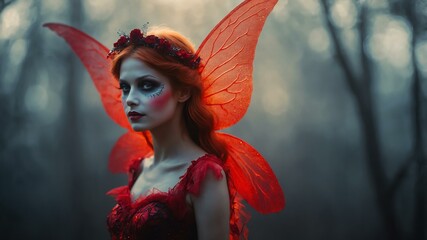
(147, 95)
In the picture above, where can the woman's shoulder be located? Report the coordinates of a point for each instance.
(206, 168)
(204, 164)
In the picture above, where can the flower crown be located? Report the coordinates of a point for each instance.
(137, 38)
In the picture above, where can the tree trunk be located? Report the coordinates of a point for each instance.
(362, 92)
(73, 160)
(417, 150)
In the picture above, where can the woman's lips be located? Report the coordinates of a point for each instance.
(135, 116)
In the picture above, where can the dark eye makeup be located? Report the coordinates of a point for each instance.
(148, 85)
(124, 87)
(145, 85)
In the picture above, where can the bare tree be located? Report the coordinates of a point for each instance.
(418, 156)
(360, 87)
(73, 158)
(15, 152)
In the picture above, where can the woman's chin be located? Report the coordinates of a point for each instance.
(139, 128)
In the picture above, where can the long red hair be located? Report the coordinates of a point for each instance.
(198, 119)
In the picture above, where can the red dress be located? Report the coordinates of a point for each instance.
(166, 215)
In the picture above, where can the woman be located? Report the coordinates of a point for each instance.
(163, 95)
(186, 181)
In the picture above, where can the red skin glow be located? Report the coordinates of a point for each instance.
(160, 101)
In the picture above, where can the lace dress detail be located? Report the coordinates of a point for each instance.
(166, 215)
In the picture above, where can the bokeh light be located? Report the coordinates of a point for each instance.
(10, 22)
(99, 9)
(281, 10)
(275, 101)
(42, 102)
(180, 5)
(344, 14)
(421, 56)
(390, 41)
(318, 40)
(18, 51)
(15, 19)
(312, 7)
(36, 98)
(54, 6)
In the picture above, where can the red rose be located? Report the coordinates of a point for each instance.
(183, 54)
(186, 55)
(122, 41)
(135, 35)
(150, 39)
(164, 45)
(179, 53)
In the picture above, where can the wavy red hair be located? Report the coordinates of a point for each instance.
(198, 119)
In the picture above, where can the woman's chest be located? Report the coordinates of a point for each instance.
(144, 186)
(156, 180)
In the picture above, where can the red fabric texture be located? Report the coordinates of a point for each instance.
(166, 215)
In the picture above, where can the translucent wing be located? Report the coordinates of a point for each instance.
(227, 60)
(94, 57)
(252, 176)
(130, 146)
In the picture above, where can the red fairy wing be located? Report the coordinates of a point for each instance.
(130, 146)
(94, 57)
(227, 55)
(252, 176)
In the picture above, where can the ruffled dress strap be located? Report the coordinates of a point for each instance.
(196, 173)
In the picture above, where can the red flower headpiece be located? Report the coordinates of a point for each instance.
(136, 37)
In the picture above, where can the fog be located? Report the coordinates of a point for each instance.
(338, 110)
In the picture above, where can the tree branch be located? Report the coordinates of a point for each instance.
(400, 175)
(349, 76)
(420, 218)
(362, 91)
(366, 68)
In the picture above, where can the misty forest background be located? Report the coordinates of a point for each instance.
(339, 110)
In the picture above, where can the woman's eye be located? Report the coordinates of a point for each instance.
(124, 87)
(148, 85)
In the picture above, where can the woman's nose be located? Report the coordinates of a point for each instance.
(132, 98)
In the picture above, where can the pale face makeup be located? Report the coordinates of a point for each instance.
(147, 95)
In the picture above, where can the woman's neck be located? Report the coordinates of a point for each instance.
(172, 142)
